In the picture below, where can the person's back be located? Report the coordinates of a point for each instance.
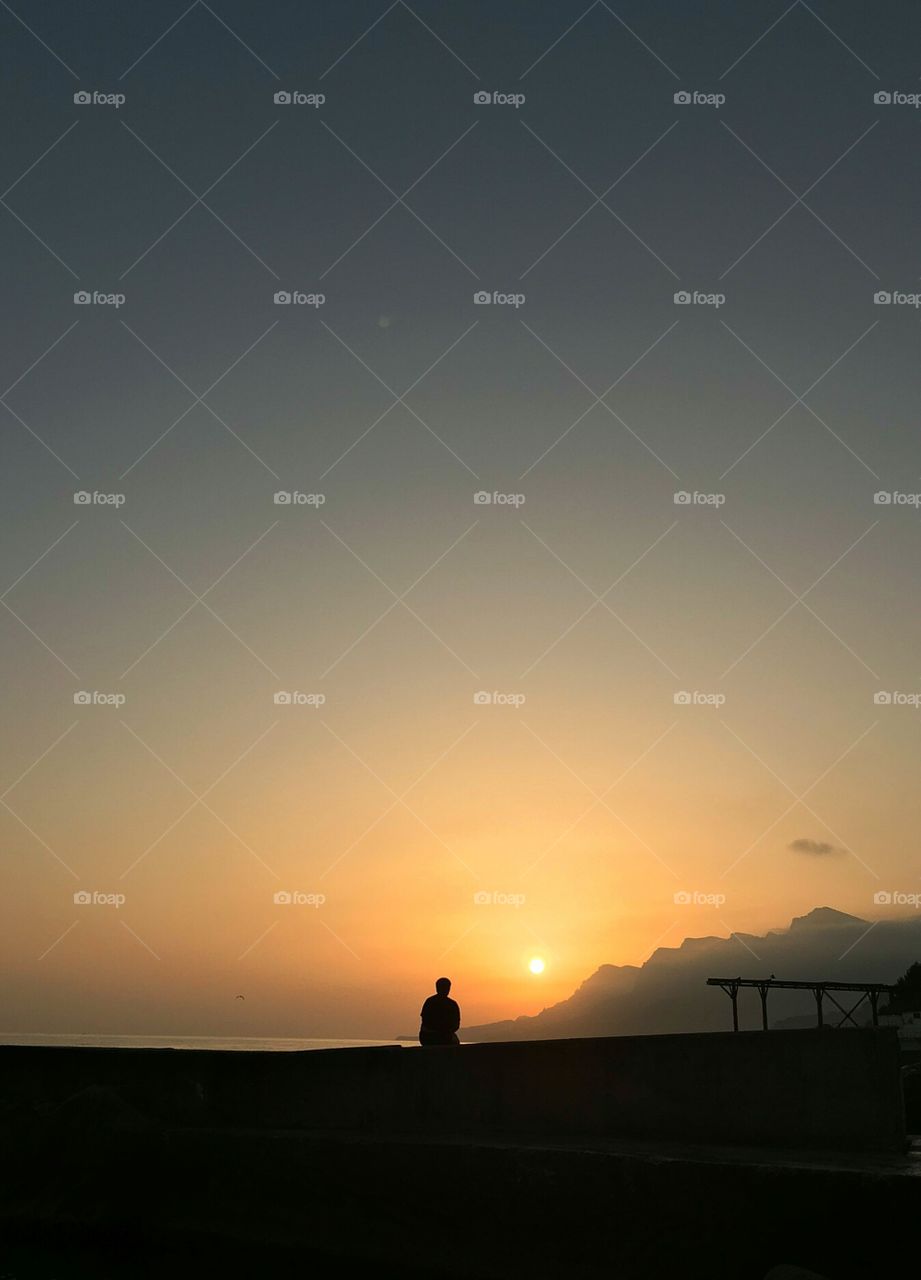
(440, 1016)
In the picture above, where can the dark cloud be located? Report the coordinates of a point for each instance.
(816, 847)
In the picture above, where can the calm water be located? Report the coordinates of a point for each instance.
(254, 1043)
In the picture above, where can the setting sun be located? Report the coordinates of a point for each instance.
(536, 965)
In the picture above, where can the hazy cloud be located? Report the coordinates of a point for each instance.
(815, 847)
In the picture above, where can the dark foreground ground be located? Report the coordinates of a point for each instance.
(233, 1203)
(154, 1163)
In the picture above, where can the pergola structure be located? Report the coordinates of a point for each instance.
(870, 991)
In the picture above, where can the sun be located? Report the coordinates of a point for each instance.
(536, 964)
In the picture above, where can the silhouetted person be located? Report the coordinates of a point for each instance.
(440, 1016)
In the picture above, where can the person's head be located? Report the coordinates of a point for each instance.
(443, 986)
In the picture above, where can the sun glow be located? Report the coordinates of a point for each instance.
(536, 964)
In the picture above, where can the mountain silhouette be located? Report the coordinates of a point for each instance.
(669, 993)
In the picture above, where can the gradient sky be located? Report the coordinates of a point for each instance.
(599, 797)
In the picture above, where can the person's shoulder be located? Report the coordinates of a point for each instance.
(451, 1000)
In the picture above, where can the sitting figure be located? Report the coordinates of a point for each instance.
(440, 1016)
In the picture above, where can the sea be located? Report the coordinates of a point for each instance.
(254, 1044)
